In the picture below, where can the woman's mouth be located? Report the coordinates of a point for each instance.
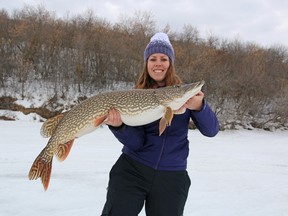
(157, 71)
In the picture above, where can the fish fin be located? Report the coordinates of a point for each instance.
(50, 125)
(165, 120)
(168, 115)
(63, 150)
(162, 125)
(100, 120)
(42, 167)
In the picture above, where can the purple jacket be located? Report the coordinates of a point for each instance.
(170, 150)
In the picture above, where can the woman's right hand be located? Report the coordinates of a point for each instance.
(114, 118)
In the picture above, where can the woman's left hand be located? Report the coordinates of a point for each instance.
(195, 102)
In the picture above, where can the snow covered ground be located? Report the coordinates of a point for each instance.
(237, 173)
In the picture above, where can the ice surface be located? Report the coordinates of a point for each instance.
(237, 173)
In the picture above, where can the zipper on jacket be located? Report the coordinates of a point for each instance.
(162, 149)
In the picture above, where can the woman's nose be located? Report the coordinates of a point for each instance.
(158, 63)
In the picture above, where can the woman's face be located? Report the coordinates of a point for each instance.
(157, 66)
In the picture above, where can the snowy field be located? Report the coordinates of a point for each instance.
(237, 173)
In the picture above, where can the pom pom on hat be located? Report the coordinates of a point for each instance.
(159, 43)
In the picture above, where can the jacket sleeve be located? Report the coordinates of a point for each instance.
(132, 137)
(206, 120)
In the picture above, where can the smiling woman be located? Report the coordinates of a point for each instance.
(159, 69)
(157, 66)
(158, 54)
(152, 168)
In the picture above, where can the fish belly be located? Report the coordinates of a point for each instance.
(86, 130)
(144, 117)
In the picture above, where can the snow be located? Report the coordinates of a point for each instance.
(236, 173)
(19, 116)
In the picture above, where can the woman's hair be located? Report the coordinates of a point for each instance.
(146, 82)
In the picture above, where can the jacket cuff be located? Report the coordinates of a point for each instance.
(121, 127)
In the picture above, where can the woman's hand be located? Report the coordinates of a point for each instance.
(114, 118)
(195, 102)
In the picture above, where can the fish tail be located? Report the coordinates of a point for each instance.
(41, 168)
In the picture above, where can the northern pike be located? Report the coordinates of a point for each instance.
(136, 107)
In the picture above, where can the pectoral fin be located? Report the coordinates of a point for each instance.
(165, 120)
(100, 120)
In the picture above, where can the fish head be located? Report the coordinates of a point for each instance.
(176, 96)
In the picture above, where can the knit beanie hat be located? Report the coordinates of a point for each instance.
(159, 43)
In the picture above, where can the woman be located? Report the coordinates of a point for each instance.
(152, 168)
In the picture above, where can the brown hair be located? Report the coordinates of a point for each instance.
(146, 82)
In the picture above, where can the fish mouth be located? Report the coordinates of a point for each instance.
(194, 86)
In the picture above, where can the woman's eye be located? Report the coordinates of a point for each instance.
(162, 59)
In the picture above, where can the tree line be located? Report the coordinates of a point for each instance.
(245, 83)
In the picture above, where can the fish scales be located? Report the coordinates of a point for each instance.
(136, 107)
(99, 105)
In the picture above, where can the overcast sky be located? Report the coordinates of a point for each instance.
(264, 22)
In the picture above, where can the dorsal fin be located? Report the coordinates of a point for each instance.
(50, 125)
